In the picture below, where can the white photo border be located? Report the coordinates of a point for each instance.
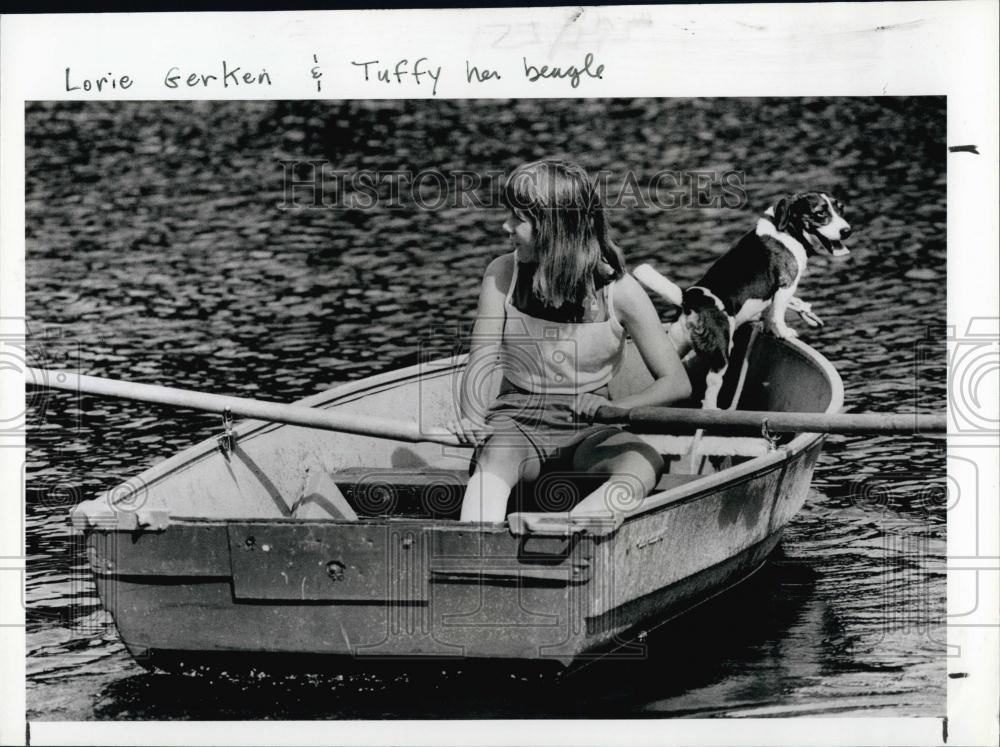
(836, 49)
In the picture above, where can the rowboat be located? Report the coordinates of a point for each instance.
(209, 554)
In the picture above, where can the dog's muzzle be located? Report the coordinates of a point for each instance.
(832, 247)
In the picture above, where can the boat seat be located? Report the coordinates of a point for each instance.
(437, 493)
(403, 492)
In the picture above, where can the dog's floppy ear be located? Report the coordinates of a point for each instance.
(781, 214)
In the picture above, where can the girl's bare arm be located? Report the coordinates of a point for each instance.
(480, 378)
(639, 317)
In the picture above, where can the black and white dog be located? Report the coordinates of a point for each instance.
(755, 278)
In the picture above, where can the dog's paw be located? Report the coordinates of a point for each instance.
(811, 319)
(807, 315)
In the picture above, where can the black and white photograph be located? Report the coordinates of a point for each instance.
(344, 254)
(576, 407)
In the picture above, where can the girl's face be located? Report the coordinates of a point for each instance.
(522, 234)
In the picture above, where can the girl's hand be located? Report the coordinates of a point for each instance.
(586, 405)
(468, 431)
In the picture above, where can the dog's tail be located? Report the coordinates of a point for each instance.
(708, 326)
(653, 281)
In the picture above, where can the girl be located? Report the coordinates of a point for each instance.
(552, 320)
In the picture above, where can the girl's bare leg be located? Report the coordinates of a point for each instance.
(498, 470)
(635, 468)
(486, 496)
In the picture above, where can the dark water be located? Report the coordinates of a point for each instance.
(157, 252)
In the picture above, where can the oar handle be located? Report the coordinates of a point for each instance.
(612, 415)
(666, 419)
(244, 407)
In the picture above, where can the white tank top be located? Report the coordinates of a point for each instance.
(541, 355)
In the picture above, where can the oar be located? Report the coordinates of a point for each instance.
(330, 420)
(639, 419)
(666, 419)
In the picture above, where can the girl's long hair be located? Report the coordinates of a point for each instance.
(571, 237)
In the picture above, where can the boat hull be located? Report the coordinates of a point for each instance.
(384, 632)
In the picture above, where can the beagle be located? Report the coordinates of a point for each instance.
(756, 278)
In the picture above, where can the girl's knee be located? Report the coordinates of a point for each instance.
(510, 462)
(497, 471)
(616, 452)
(655, 460)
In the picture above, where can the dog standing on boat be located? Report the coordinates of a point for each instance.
(756, 278)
